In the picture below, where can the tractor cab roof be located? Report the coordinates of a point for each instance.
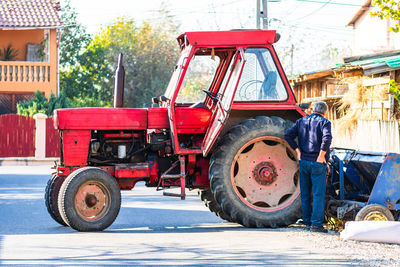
(227, 38)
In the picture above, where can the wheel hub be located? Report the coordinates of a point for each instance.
(375, 216)
(265, 173)
(91, 200)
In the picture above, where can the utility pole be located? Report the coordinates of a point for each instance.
(262, 14)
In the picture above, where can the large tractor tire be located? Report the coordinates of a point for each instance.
(89, 199)
(207, 197)
(51, 198)
(254, 174)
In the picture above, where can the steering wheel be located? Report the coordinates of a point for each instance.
(211, 95)
(245, 93)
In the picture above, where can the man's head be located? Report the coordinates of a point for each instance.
(320, 107)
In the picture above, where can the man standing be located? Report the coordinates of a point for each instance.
(314, 137)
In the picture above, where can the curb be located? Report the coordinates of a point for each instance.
(27, 161)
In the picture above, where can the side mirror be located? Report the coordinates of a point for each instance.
(163, 98)
(304, 106)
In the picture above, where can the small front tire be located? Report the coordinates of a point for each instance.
(51, 198)
(89, 199)
(374, 212)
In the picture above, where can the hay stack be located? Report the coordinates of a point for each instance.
(356, 104)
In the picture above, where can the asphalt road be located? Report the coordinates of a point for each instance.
(150, 230)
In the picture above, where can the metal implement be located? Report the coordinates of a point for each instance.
(358, 179)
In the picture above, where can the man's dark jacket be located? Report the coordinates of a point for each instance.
(313, 133)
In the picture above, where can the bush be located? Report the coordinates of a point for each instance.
(41, 104)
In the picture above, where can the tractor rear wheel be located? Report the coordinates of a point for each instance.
(374, 212)
(207, 197)
(51, 198)
(254, 174)
(89, 199)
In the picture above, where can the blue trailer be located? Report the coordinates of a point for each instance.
(363, 185)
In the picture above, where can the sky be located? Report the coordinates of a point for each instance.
(330, 17)
(312, 23)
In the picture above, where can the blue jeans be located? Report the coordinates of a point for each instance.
(312, 186)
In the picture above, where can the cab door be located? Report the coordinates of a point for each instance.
(224, 101)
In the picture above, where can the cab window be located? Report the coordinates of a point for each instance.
(260, 79)
(199, 75)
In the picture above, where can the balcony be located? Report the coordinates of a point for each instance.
(23, 76)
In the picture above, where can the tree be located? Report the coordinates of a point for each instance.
(388, 9)
(73, 38)
(41, 104)
(149, 52)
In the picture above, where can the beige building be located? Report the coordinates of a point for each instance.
(371, 34)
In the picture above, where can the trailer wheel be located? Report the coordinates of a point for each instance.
(374, 212)
(207, 197)
(51, 197)
(89, 199)
(254, 174)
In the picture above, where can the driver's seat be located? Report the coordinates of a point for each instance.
(268, 87)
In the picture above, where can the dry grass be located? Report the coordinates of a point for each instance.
(356, 103)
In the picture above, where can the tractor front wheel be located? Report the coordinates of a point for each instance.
(89, 199)
(254, 174)
(51, 198)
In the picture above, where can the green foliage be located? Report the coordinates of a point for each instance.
(389, 9)
(191, 91)
(9, 53)
(74, 37)
(149, 55)
(41, 104)
(88, 65)
(42, 49)
(395, 89)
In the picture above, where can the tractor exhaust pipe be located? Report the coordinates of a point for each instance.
(119, 83)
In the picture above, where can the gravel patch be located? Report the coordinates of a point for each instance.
(357, 252)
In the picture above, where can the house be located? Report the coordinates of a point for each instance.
(371, 34)
(332, 84)
(29, 34)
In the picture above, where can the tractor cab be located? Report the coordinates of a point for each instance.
(215, 70)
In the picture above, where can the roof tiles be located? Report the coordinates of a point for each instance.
(29, 13)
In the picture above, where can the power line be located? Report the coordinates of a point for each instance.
(315, 11)
(329, 2)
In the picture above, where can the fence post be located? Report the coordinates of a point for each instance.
(40, 135)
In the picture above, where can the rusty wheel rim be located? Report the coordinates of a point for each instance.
(375, 216)
(92, 201)
(264, 174)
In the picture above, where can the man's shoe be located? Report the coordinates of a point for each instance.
(318, 229)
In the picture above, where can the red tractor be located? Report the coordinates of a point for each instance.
(219, 128)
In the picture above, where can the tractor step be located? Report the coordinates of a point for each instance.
(174, 195)
(181, 176)
(170, 176)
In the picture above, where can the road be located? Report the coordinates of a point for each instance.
(150, 230)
